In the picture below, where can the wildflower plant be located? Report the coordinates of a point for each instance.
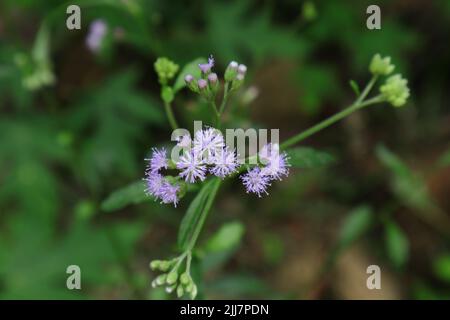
(206, 161)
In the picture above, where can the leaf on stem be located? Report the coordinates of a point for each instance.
(194, 212)
(355, 87)
(355, 225)
(131, 194)
(306, 158)
(226, 238)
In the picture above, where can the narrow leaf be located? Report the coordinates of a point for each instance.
(228, 237)
(305, 158)
(193, 213)
(132, 194)
(397, 244)
(357, 222)
(355, 87)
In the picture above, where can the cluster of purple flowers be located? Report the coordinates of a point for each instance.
(275, 166)
(208, 153)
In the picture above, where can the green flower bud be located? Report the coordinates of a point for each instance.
(172, 277)
(165, 265)
(185, 278)
(395, 90)
(169, 289)
(189, 287)
(231, 71)
(180, 291)
(161, 279)
(155, 264)
(194, 292)
(381, 66)
(166, 69)
(237, 82)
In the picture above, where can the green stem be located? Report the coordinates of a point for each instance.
(358, 104)
(367, 89)
(216, 113)
(225, 98)
(204, 214)
(170, 115)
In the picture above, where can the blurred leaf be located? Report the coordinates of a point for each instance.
(355, 87)
(397, 244)
(194, 212)
(134, 193)
(115, 116)
(190, 68)
(306, 158)
(409, 187)
(227, 237)
(235, 28)
(441, 268)
(355, 225)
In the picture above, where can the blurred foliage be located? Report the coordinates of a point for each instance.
(76, 126)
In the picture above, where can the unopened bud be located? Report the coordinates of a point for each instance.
(242, 69)
(202, 84)
(185, 278)
(172, 277)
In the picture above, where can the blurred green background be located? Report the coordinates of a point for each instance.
(77, 124)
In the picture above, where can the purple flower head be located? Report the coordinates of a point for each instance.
(276, 164)
(160, 188)
(225, 163)
(207, 143)
(188, 78)
(242, 69)
(206, 67)
(212, 78)
(192, 166)
(202, 83)
(255, 182)
(268, 151)
(168, 193)
(158, 160)
(97, 32)
(154, 182)
(277, 167)
(184, 141)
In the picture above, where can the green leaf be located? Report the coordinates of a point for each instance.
(306, 158)
(190, 68)
(355, 87)
(410, 188)
(194, 212)
(228, 237)
(397, 244)
(132, 194)
(441, 268)
(355, 225)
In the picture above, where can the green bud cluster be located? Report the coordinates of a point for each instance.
(166, 69)
(381, 66)
(395, 90)
(182, 284)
